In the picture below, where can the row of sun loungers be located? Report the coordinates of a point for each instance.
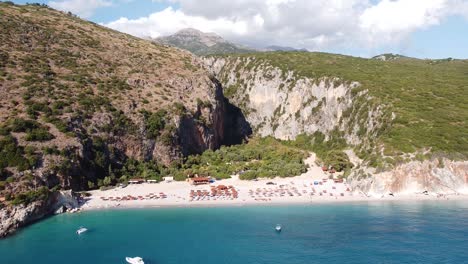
(216, 192)
(292, 191)
(151, 196)
(277, 192)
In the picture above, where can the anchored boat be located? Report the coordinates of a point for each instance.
(135, 260)
(278, 228)
(81, 230)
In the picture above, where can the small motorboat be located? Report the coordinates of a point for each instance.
(81, 230)
(74, 210)
(278, 228)
(135, 260)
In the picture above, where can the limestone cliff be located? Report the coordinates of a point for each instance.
(280, 104)
(12, 218)
(283, 103)
(434, 176)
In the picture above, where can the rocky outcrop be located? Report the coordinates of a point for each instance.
(281, 104)
(205, 128)
(12, 218)
(435, 176)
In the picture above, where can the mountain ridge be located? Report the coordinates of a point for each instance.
(201, 43)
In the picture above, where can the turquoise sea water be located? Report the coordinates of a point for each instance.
(415, 232)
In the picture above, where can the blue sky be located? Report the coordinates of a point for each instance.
(423, 29)
(129, 9)
(450, 39)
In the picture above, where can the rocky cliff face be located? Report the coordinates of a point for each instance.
(206, 129)
(435, 176)
(12, 218)
(280, 104)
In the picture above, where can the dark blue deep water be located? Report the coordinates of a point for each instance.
(414, 232)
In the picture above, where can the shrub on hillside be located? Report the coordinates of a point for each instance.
(23, 125)
(11, 155)
(39, 134)
(155, 123)
(260, 158)
(28, 197)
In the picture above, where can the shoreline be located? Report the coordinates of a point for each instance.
(287, 191)
(404, 199)
(311, 188)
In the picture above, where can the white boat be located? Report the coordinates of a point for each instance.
(278, 228)
(135, 260)
(81, 230)
(74, 210)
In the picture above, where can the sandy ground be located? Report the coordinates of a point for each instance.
(311, 187)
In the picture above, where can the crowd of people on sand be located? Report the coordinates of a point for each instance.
(151, 196)
(325, 187)
(220, 192)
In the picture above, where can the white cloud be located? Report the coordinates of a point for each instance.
(83, 8)
(392, 21)
(316, 25)
(169, 21)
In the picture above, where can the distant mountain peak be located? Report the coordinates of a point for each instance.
(189, 31)
(209, 39)
(201, 43)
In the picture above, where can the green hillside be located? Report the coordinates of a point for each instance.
(428, 97)
(84, 106)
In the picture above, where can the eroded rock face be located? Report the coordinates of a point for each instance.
(433, 176)
(12, 218)
(279, 104)
(283, 105)
(204, 130)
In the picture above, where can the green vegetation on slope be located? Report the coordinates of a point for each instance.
(31, 196)
(259, 158)
(12, 155)
(429, 97)
(81, 102)
(330, 152)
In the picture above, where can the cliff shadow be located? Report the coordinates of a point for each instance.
(236, 128)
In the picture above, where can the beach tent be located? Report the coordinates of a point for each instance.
(136, 181)
(168, 179)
